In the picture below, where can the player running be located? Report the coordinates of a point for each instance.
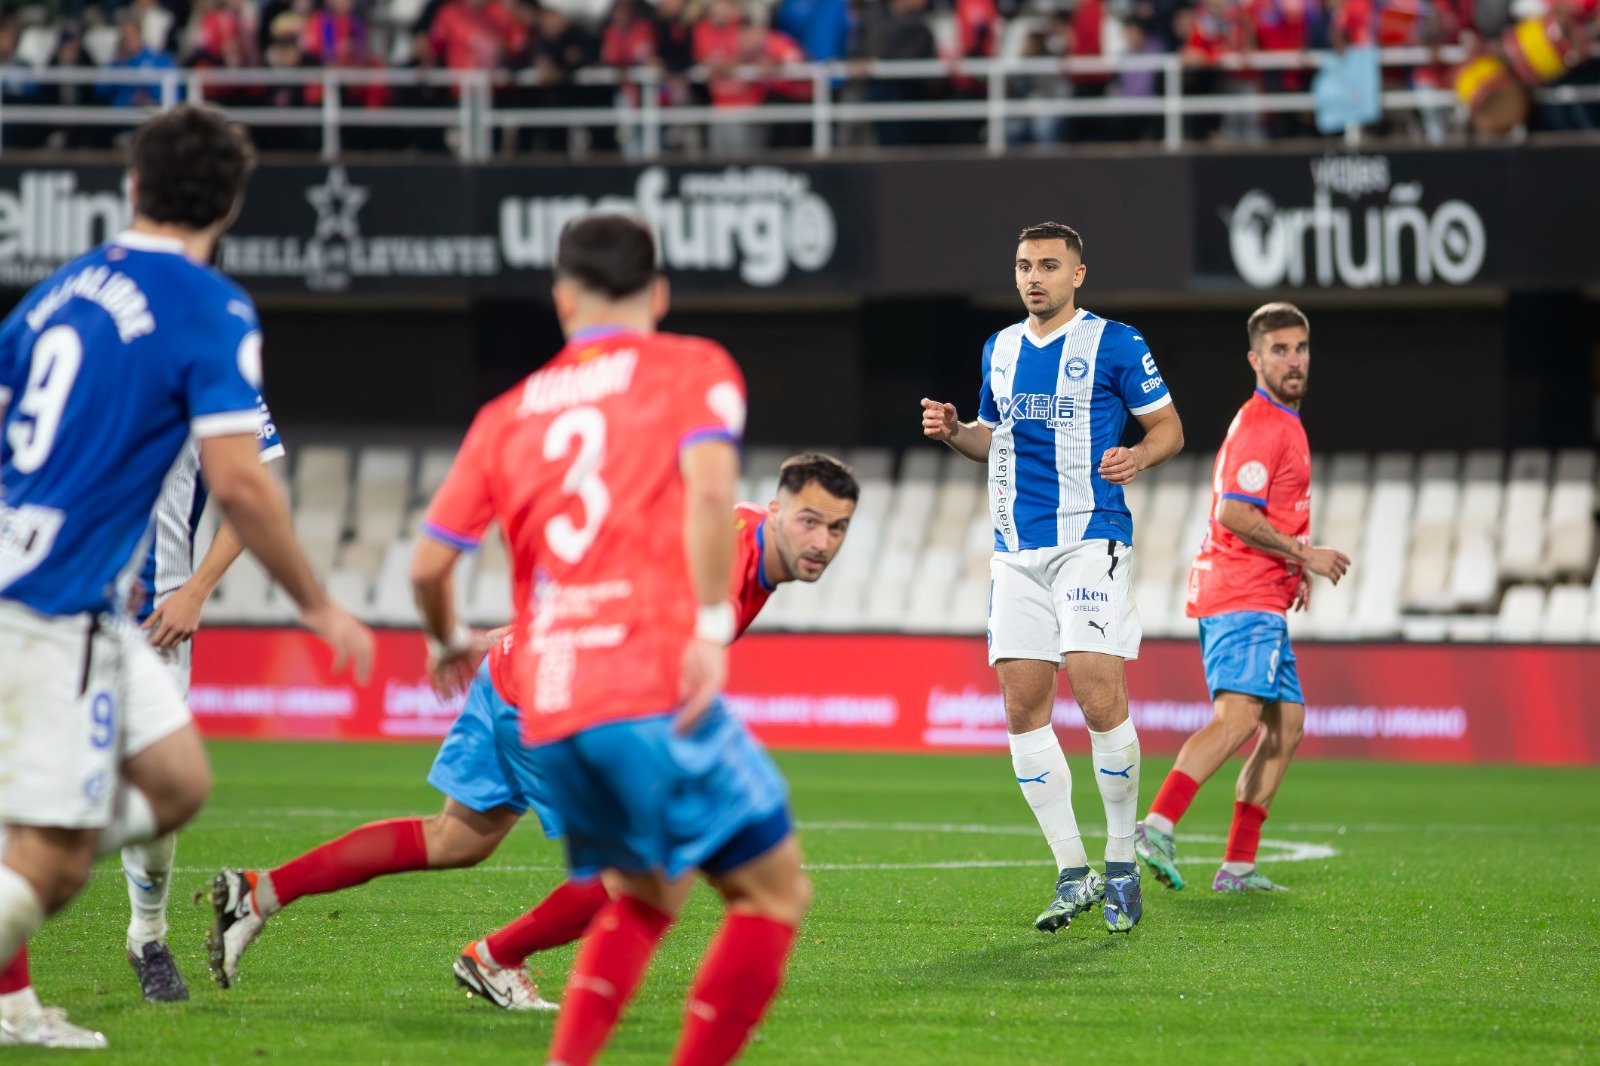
(793, 539)
(1255, 564)
(173, 592)
(612, 471)
(106, 368)
(1056, 394)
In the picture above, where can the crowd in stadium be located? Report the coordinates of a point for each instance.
(547, 41)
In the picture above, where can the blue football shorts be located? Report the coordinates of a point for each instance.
(475, 765)
(636, 796)
(1249, 652)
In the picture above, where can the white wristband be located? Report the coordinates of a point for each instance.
(716, 623)
(459, 641)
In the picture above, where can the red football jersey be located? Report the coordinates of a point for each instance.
(1265, 460)
(750, 588)
(579, 464)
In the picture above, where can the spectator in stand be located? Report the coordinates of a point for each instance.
(283, 52)
(424, 61)
(336, 36)
(1282, 26)
(1139, 39)
(70, 55)
(628, 41)
(476, 34)
(134, 54)
(899, 31)
(227, 33)
(1220, 32)
(1036, 129)
(17, 87)
(978, 30)
(1081, 29)
(820, 27)
(271, 10)
(718, 45)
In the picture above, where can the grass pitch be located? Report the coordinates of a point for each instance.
(1437, 914)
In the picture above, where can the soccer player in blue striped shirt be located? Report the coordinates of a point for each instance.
(1057, 391)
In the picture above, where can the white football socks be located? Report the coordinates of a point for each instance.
(1160, 823)
(147, 868)
(1046, 783)
(21, 912)
(133, 821)
(1116, 771)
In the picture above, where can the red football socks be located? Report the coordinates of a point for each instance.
(737, 981)
(14, 978)
(1244, 836)
(1177, 792)
(604, 976)
(374, 849)
(559, 919)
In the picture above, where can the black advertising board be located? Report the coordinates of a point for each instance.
(1271, 221)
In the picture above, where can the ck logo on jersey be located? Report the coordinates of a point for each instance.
(1056, 411)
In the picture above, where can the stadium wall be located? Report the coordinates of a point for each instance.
(1448, 703)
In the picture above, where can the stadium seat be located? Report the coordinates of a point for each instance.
(1475, 570)
(1522, 526)
(1376, 612)
(36, 45)
(1570, 549)
(1521, 612)
(1566, 615)
(1427, 571)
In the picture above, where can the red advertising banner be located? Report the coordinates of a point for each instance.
(1413, 702)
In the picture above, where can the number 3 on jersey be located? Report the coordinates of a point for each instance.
(57, 355)
(584, 427)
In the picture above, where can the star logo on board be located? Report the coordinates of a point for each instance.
(337, 202)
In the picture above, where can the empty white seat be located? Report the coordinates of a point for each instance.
(1522, 525)
(1566, 615)
(1570, 546)
(1521, 612)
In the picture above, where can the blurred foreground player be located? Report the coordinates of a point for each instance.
(107, 368)
(611, 471)
(793, 539)
(1256, 563)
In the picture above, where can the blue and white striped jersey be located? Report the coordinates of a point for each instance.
(1056, 404)
(176, 520)
(106, 368)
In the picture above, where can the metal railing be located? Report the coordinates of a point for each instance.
(473, 106)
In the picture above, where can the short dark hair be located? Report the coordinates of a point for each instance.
(1054, 231)
(614, 255)
(191, 166)
(836, 479)
(1276, 315)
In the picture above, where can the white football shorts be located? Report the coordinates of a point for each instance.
(77, 694)
(1045, 602)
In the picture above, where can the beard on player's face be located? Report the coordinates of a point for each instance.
(1290, 383)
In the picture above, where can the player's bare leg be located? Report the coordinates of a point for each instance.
(1028, 689)
(1100, 685)
(1234, 717)
(242, 900)
(1282, 726)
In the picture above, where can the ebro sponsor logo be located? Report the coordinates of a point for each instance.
(1334, 241)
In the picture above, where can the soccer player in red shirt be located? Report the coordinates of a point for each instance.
(793, 538)
(1254, 566)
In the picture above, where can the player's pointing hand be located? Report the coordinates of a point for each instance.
(938, 420)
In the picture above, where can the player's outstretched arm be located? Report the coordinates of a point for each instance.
(1249, 523)
(454, 651)
(1163, 438)
(259, 512)
(177, 617)
(939, 422)
(710, 470)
